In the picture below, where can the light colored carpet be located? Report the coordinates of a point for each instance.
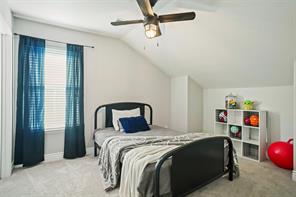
(80, 177)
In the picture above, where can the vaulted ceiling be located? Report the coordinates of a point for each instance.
(232, 43)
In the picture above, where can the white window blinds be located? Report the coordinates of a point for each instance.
(55, 84)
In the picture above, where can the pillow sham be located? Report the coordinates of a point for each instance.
(134, 124)
(117, 114)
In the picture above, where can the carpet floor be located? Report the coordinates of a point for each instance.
(80, 178)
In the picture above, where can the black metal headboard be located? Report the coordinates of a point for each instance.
(120, 106)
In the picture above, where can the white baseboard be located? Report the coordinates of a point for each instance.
(90, 151)
(59, 156)
(294, 175)
(56, 157)
(17, 166)
(53, 157)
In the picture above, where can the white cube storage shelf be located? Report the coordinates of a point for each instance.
(251, 144)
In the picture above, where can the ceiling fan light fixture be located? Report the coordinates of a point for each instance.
(151, 30)
(151, 20)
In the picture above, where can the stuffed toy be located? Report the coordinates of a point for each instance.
(248, 105)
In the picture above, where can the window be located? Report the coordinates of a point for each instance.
(55, 86)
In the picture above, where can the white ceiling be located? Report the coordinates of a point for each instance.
(90, 15)
(232, 43)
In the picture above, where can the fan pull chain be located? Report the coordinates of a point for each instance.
(157, 44)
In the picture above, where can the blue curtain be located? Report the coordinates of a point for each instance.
(74, 131)
(29, 145)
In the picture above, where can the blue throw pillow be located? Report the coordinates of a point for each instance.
(134, 124)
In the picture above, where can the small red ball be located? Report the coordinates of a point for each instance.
(247, 121)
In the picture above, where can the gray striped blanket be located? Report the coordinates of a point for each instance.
(114, 148)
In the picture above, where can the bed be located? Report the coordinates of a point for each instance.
(193, 163)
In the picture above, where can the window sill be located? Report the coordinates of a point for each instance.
(55, 131)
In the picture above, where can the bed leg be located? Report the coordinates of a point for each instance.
(95, 150)
(230, 177)
(231, 162)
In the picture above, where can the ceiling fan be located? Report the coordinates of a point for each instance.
(151, 20)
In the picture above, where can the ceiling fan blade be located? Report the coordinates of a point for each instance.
(176, 17)
(145, 7)
(117, 23)
(153, 2)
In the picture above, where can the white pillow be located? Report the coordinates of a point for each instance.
(117, 114)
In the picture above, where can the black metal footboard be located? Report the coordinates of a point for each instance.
(195, 165)
(96, 147)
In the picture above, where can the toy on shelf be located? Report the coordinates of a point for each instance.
(238, 134)
(235, 130)
(281, 154)
(247, 121)
(254, 120)
(223, 116)
(248, 105)
(231, 101)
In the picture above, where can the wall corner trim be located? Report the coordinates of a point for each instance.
(6, 107)
(294, 175)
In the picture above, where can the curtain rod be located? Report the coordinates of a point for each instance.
(56, 41)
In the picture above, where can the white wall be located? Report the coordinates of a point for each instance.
(277, 101)
(5, 18)
(179, 98)
(195, 106)
(113, 72)
(294, 117)
(294, 33)
(186, 104)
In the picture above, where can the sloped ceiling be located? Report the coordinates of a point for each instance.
(232, 43)
(240, 44)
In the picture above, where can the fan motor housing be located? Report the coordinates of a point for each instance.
(151, 20)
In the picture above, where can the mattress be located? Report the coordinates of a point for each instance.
(102, 134)
(146, 187)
